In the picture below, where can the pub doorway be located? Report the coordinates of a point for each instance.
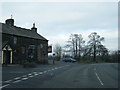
(6, 57)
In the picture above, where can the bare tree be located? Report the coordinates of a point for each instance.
(80, 44)
(94, 42)
(58, 51)
(102, 52)
(87, 53)
(75, 44)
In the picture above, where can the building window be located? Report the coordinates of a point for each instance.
(41, 45)
(31, 51)
(15, 40)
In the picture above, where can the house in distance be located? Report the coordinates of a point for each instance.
(20, 45)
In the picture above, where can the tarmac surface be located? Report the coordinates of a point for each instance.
(61, 75)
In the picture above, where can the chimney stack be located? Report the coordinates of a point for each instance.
(10, 22)
(34, 28)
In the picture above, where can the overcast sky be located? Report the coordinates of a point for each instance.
(57, 20)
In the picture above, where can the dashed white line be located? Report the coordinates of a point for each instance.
(44, 71)
(40, 72)
(24, 75)
(31, 76)
(17, 78)
(99, 78)
(24, 78)
(16, 81)
(56, 68)
(36, 74)
(4, 85)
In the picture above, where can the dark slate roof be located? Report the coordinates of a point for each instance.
(13, 30)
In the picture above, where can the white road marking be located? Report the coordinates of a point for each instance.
(99, 78)
(56, 68)
(45, 71)
(40, 72)
(36, 74)
(31, 76)
(8, 81)
(24, 78)
(17, 78)
(4, 85)
(17, 81)
(24, 75)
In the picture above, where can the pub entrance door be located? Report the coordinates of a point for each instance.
(7, 57)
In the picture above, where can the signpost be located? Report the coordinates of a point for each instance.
(49, 49)
(53, 58)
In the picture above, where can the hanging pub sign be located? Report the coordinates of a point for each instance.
(49, 49)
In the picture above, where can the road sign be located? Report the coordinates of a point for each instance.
(49, 49)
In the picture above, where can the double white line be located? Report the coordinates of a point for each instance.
(25, 77)
(4, 86)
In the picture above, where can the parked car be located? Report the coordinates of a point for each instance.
(69, 60)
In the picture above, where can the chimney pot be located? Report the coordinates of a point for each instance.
(34, 28)
(10, 22)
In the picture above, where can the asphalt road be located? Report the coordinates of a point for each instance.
(62, 75)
